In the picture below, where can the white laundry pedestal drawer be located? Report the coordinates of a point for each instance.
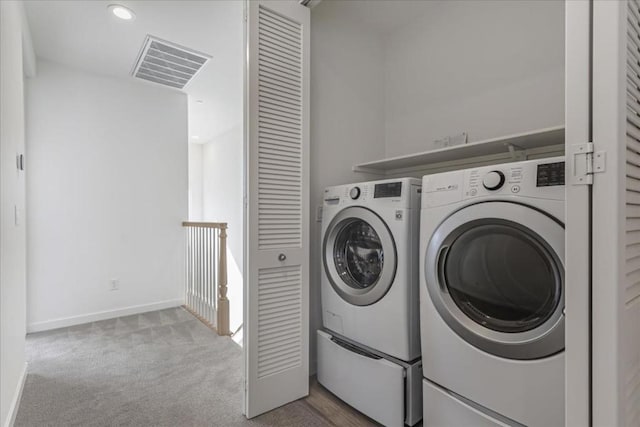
(445, 409)
(384, 389)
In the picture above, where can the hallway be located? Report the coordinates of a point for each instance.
(162, 368)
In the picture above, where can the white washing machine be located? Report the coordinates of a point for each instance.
(369, 355)
(492, 295)
(370, 265)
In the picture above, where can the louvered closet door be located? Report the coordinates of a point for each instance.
(616, 214)
(277, 310)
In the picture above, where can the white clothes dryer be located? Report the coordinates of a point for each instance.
(492, 295)
(369, 281)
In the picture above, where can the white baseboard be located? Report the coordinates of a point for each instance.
(15, 402)
(100, 315)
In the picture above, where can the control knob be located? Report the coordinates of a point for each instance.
(493, 180)
(354, 193)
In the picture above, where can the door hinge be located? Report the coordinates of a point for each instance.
(585, 162)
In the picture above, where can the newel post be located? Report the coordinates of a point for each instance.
(223, 301)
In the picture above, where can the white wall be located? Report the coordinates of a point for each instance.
(195, 182)
(12, 201)
(489, 68)
(347, 119)
(107, 191)
(222, 195)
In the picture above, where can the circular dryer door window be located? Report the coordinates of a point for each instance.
(501, 275)
(359, 256)
(495, 273)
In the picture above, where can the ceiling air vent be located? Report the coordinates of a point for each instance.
(167, 63)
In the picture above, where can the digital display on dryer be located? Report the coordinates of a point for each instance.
(389, 189)
(550, 174)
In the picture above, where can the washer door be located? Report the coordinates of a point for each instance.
(359, 256)
(495, 273)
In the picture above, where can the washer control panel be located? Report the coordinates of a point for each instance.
(354, 193)
(387, 189)
(392, 192)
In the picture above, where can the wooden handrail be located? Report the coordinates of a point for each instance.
(219, 225)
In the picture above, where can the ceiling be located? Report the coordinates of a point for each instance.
(86, 36)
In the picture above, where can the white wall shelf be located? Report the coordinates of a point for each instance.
(517, 145)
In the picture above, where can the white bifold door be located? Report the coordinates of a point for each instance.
(616, 214)
(277, 211)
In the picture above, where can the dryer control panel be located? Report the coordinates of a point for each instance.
(549, 174)
(542, 179)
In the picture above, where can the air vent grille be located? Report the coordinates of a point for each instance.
(167, 63)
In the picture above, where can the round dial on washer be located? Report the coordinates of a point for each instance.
(354, 193)
(493, 180)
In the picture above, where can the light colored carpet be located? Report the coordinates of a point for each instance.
(163, 368)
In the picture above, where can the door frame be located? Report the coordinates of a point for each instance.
(578, 131)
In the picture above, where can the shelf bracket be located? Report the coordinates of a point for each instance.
(517, 153)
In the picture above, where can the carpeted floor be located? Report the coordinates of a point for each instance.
(163, 368)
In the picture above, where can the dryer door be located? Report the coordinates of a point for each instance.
(495, 273)
(359, 256)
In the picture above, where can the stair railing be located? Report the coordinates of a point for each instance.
(206, 273)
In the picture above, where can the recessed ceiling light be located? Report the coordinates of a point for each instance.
(122, 12)
(195, 137)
